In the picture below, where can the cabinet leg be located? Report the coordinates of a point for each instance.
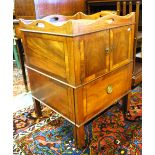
(126, 102)
(22, 62)
(79, 135)
(37, 107)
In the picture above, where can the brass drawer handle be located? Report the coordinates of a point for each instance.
(107, 50)
(109, 89)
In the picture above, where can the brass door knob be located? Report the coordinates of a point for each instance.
(129, 29)
(109, 89)
(107, 50)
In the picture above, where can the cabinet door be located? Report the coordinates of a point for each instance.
(96, 55)
(121, 45)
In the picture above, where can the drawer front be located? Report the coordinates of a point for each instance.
(103, 92)
(56, 95)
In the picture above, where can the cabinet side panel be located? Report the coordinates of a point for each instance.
(46, 53)
(57, 96)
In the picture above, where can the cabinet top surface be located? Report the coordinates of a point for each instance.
(78, 24)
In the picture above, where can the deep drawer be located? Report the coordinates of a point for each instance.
(103, 92)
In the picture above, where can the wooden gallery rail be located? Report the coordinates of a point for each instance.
(79, 65)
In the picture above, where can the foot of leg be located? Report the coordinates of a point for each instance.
(79, 135)
(37, 107)
(126, 104)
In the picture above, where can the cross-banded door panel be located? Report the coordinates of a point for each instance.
(96, 54)
(121, 46)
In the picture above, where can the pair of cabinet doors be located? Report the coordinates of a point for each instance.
(107, 50)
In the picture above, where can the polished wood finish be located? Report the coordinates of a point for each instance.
(39, 51)
(35, 9)
(94, 97)
(98, 5)
(37, 107)
(79, 135)
(24, 9)
(60, 98)
(79, 67)
(122, 7)
(122, 46)
(77, 27)
(97, 92)
(79, 15)
(50, 54)
(137, 63)
(60, 18)
(100, 57)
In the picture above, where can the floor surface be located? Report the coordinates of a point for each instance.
(21, 101)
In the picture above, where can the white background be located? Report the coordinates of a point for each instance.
(6, 76)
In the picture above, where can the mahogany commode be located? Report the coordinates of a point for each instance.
(79, 65)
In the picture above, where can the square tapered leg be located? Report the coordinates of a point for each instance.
(79, 135)
(37, 107)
